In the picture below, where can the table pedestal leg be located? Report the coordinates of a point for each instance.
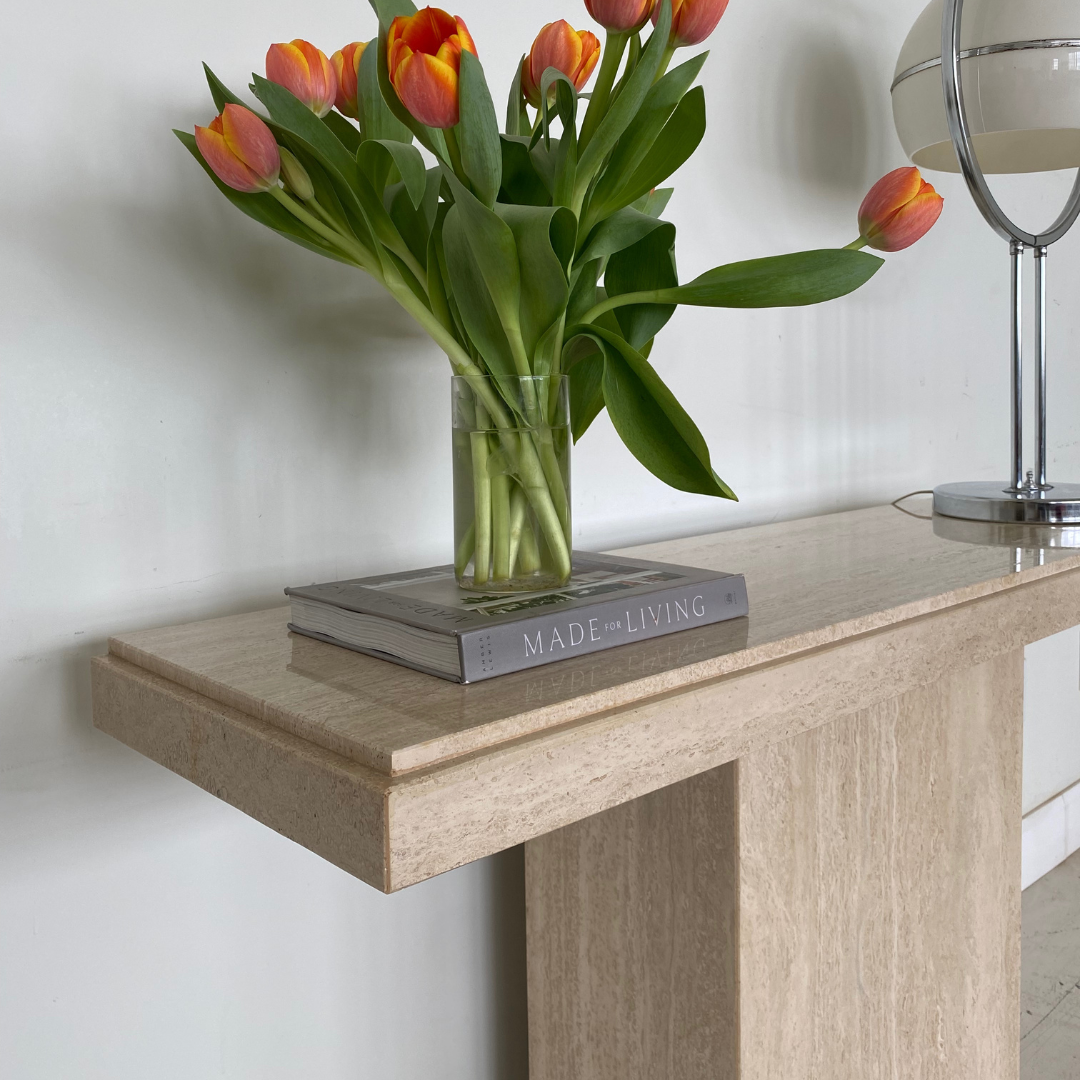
(844, 905)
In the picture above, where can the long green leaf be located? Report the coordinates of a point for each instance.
(521, 183)
(492, 243)
(586, 377)
(621, 230)
(678, 140)
(478, 131)
(388, 10)
(221, 94)
(517, 119)
(625, 107)
(376, 119)
(650, 421)
(265, 209)
(343, 129)
(648, 264)
(660, 102)
(375, 157)
(805, 277)
(352, 185)
(544, 238)
(481, 319)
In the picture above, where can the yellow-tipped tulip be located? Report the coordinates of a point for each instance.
(423, 55)
(304, 71)
(240, 149)
(898, 210)
(559, 45)
(346, 63)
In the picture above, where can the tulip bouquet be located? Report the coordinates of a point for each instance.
(535, 256)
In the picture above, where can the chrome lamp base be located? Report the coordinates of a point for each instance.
(1058, 504)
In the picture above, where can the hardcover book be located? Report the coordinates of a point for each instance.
(422, 619)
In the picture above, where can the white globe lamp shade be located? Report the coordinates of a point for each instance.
(1020, 66)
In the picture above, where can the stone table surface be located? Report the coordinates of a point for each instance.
(421, 774)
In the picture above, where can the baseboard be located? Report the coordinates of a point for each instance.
(1051, 835)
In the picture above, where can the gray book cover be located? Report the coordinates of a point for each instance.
(446, 631)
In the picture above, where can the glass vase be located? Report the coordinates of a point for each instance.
(511, 482)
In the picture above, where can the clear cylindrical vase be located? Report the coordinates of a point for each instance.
(511, 482)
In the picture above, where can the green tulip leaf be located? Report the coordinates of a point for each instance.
(544, 238)
(478, 131)
(492, 243)
(675, 143)
(479, 315)
(376, 156)
(805, 277)
(586, 376)
(517, 119)
(660, 102)
(347, 134)
(650, 421)
(265, 209)
(221, 94)
(625, 107)
(351, 183)
(376, 119)
(388, 10)
(655, 203)
(646, 265)
(521, 183)
(621, 230)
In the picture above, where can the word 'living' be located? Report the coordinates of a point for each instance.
(575, 631)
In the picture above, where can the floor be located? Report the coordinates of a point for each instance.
(1050, 981)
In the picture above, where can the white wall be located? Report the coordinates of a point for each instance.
(194, 413)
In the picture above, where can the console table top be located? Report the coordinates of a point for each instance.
(812, 582)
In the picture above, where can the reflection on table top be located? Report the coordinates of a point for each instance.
(812, 583)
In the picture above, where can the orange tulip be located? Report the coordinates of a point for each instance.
(423, 55)
(559, 45)
(692, 21)
(898, 210)
(620, 16)
(346, 64)
(305, 72)
(240, 149)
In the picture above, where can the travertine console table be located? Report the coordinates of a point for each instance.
(784, 847)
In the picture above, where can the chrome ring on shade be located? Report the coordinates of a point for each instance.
(989, 50)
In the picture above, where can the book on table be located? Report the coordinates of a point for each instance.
(422, 619)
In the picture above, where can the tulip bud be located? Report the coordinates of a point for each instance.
(898, 210)
(559, 45)
(423, 56)
(620, 16)
(346, 64)
(692, 21)
(295, 176)
(305, 72)
(240, 149)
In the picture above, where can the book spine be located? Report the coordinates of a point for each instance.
(543, 639)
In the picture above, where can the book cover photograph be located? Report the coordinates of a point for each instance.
(424, 620)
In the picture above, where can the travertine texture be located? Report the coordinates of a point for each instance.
(842, 905)
(812, 583)
(450, 814)
(633, 940)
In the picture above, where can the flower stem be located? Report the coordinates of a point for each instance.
(481, 499)
(857, 245)
(500, 526)
(614, 46)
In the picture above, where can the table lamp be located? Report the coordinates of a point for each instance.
(1005, 100)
